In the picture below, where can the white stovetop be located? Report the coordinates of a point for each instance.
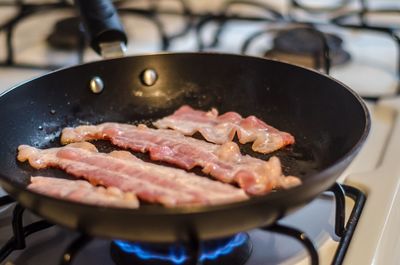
(372, 70)
(381, 185)
(375, 170)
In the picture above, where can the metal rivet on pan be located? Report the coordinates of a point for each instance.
(149, 77)
(96, 85)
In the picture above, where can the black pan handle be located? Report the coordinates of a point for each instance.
(102, 25)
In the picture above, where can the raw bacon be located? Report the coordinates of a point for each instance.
(220, 129)
(153, 183)
(84, 192)
(223, 162)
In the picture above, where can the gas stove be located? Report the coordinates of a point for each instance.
(361, 33)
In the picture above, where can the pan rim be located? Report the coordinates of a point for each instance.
(274, 196)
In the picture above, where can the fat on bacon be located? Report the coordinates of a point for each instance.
(84, 192)
(221, 129)
(149, 182)
(223, 162)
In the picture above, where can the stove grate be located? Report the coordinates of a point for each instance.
(20, 232)
(345, 232)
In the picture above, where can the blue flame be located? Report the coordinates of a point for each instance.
(177, 255)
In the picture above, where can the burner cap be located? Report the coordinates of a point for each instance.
(228, 251)
(299, 44)
(66, 34)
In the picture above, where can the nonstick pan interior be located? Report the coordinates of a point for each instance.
(328, 121)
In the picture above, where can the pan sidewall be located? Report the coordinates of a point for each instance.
(228, 82)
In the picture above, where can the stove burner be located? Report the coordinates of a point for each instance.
(66, 34)
(228, 251)
(305, 47)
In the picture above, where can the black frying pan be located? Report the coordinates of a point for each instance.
(328, 120)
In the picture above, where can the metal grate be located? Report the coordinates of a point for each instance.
(342, 229)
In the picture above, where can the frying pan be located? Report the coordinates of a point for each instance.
(329, 121)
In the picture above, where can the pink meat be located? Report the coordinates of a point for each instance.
(153, 183)
(84, 192)
(221, 129)
(223, 162)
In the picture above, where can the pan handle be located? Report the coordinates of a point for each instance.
(103, 27)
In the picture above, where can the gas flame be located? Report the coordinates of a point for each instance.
(177, 255)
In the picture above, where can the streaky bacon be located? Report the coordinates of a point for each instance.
(83, 192)
(149, 182)
(223, 162)
(220, 129)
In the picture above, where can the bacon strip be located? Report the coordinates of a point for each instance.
(153, 183)
(221, 129)
(83, 192)
(223, 162)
